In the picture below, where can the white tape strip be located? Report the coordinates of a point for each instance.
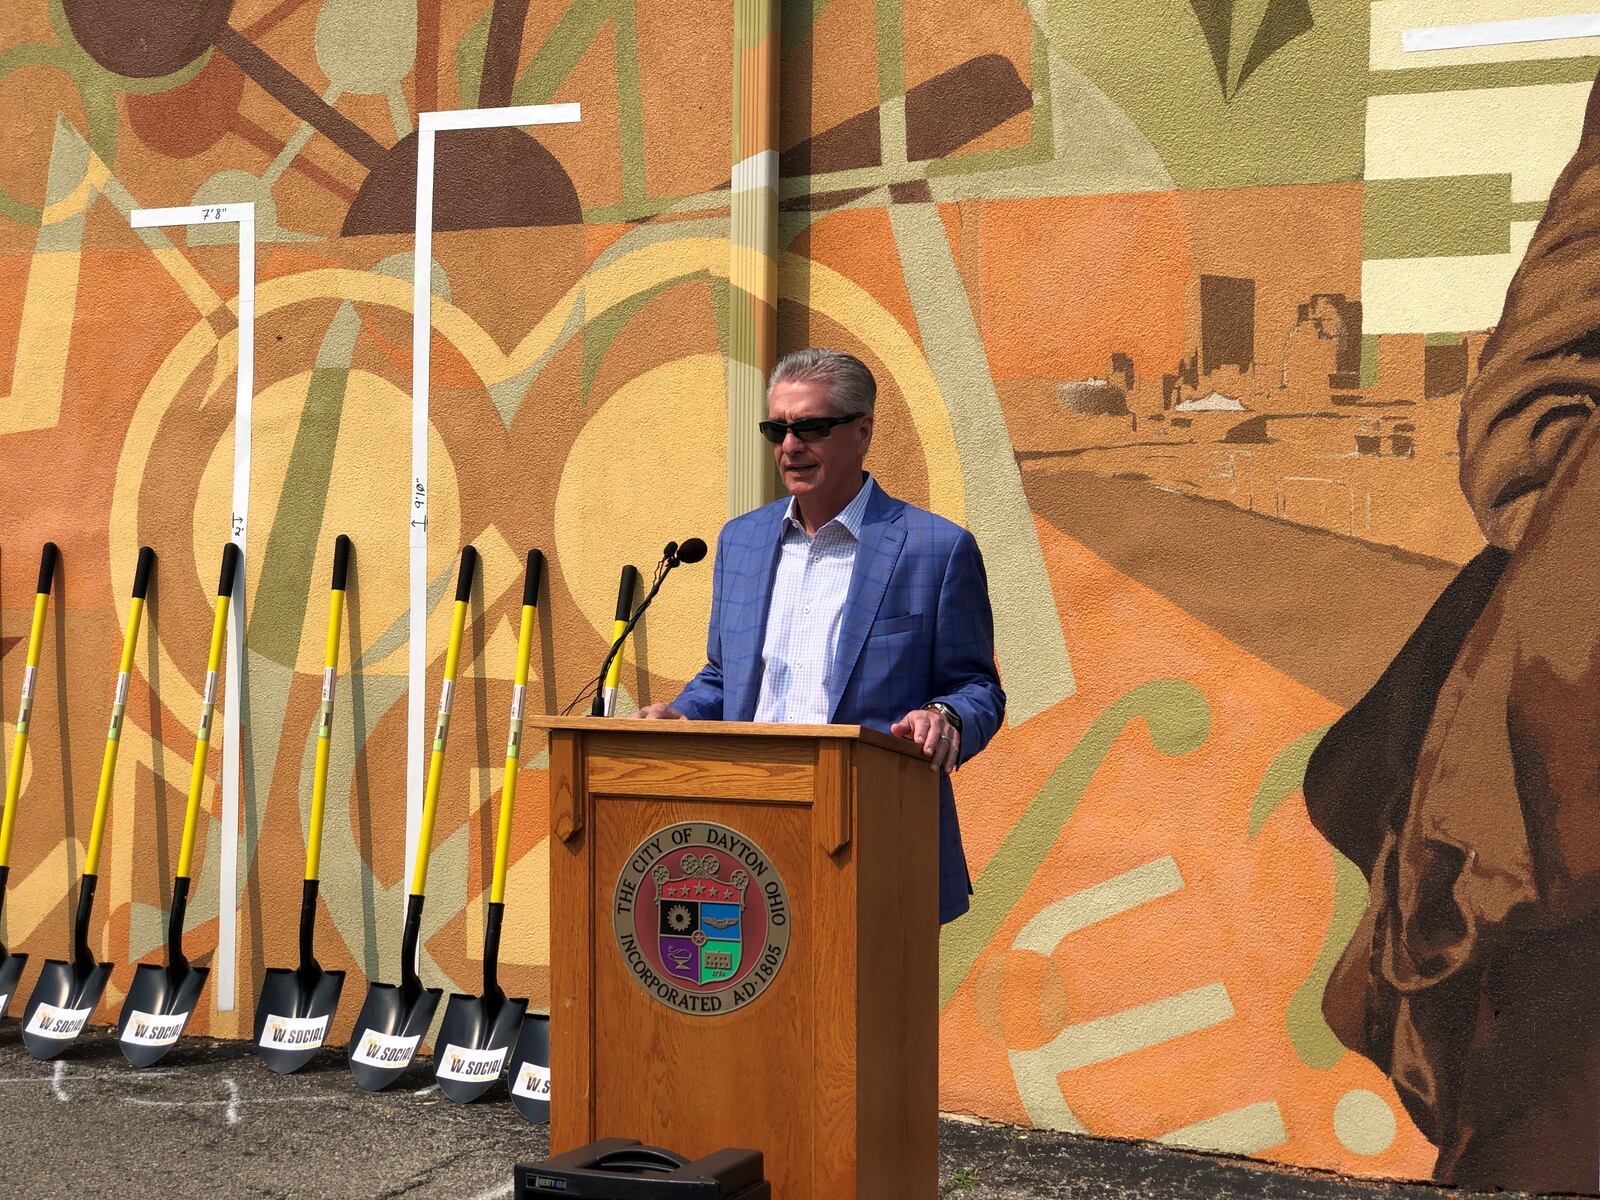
(244, 215)
(329, 676)
(518, 695)
(1502, 33)
(760, 170)
(501, 118)
(428, 124)
(30, 677)
(122, 689)
(471, 1066)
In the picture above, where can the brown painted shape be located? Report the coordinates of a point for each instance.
(501, 54)
(291, 92)
(145, 39)
(483, 179)
(967, 101)
(848, 145)
(1327, 610)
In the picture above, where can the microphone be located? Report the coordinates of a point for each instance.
(672, 555)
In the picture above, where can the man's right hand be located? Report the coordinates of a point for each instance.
(660, 712)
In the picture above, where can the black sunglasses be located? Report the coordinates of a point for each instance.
(807, 429)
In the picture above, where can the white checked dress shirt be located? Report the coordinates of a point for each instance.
(808, 595)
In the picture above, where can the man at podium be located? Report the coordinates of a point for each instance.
(844, 605)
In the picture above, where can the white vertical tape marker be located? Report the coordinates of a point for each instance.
(244, 216)
(1502, 33)
(419, 734)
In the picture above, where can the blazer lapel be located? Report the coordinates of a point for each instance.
(882, 535)
(750, 589)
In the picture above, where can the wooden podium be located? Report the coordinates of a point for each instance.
(744, 947)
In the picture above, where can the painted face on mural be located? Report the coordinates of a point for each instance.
(823, 475)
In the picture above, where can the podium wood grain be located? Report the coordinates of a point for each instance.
(832, 1070)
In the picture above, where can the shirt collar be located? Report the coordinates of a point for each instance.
(852, 516)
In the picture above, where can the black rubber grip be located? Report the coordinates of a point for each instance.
(530, 581)
(469, 564)
(625, 590)
(47, 566)
(141, 573)
(341, 561)
(230, 567)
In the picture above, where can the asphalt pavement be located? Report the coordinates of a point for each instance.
(211, 1121)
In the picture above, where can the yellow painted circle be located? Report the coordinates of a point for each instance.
(366, 498)
(650, 466)
(1363, 1122)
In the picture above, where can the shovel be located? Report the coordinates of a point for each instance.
(67, 993)
(478, 1030)
(393, 1019)
(162, 999)
(11, 964)
(296, 1004)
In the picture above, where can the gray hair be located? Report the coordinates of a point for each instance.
(851, 387)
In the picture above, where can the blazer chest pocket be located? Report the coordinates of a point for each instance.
(888, 626)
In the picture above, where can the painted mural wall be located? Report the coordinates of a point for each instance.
(1175, 303)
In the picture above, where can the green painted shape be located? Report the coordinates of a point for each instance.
(891, 51)
(1284, 776)
(1313, 1041)
(603, 329)
(1216, 23)
(630, 105)
(470, 52)
(1369, 360)
(1441, 339)
(559, 54)
(1529, 210)
(1178, 721)
(99, 98)
(1283, 21)
(1436, 217)
(732, 949)
(278, 615)
(1302, 119)
(1472, 76)
(798, 18)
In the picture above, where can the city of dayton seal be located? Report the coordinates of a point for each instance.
(701, 917)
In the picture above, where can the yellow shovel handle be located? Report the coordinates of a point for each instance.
(508, 785)
(330, 669)
(30, 674)
(108, 764)
(208, 701)
(452, 656)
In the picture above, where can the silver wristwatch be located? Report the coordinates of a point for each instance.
(945, 711)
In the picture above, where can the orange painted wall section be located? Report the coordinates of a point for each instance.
(1177, 315)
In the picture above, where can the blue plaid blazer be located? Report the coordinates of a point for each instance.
(917, 627)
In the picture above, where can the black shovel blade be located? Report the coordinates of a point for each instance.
(388, 1032)
(293, 1015)
(157, 1010)
(473, 1043)
(10, 975)
(530, 1069)
(62, 1002)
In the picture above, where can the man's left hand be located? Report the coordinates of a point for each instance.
(940, 740)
